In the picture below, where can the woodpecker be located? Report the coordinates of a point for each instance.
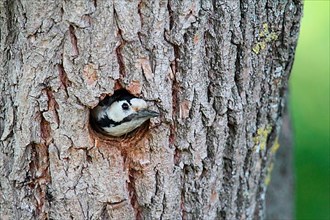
(121, 113)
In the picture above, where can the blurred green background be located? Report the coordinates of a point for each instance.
(310, 111)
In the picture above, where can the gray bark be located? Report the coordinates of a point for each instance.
(217, 71)
(280, 196)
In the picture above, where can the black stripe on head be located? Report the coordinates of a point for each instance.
(106, 101)
(118, 95)
(107, 122)
(123, 94)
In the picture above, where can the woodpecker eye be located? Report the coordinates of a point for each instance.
(125, 106)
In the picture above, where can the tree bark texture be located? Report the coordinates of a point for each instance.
(217, 71)
(280, 196)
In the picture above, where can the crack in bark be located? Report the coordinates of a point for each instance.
(238, 78)
(104, 213)
(39, 177)
(74, 41)
(182, 206)
(140, 13)
(157, 184)
(177, 156)
(228, 167)
(114, 205)
(132, 193)
(52, 105)
(130, 183)
(175, 96)
(119, 48)
(240, 199)
(247, 161)
(117, 203)
(83, 210)
(65, 82)
(175, 84)
(164, 205)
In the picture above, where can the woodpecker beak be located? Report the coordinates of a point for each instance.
(145, 113)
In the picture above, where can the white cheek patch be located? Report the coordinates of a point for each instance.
(116, 113)
(138, 104)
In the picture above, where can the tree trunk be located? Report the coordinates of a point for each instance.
(279, 196)
(217, 71)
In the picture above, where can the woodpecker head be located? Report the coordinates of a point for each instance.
(121, 113)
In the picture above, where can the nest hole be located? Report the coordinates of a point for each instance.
(98, 134)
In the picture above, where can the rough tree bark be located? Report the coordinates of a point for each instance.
(217, 71)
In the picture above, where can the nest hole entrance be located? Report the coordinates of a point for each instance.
(95, 114)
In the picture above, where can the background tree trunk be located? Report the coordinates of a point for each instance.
(217, 71)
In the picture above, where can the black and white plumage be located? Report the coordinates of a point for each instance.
(121, 113)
